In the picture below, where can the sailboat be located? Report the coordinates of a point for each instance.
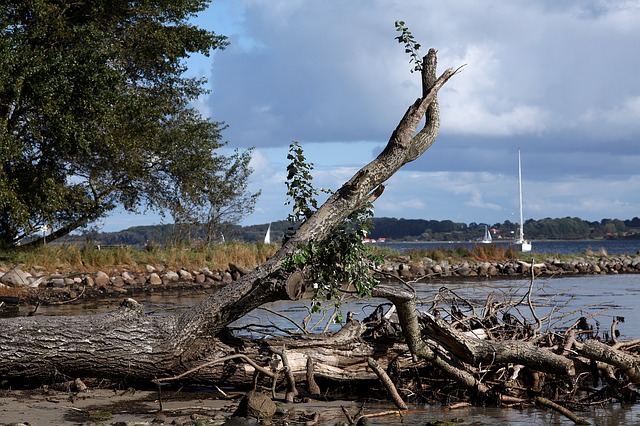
(521, 244)
(267, 237)
(487, 236)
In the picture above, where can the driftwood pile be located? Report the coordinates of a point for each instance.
(510, 350)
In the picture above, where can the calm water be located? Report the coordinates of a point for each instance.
(547, 247)
(604, 296)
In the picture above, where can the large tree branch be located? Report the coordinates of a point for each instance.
(265, 283)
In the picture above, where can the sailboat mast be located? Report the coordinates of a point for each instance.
(521, 238)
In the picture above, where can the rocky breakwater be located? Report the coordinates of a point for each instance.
(426, 269)
(27, 286)
(22, 285)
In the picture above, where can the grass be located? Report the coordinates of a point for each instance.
(74, 258)
(66, 258)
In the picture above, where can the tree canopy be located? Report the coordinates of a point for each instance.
(95, 113)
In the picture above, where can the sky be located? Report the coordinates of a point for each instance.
(557, 79)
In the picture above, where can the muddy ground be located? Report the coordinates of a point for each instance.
(128, 407)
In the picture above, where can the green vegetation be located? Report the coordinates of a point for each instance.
(340, 260)
(95, 115)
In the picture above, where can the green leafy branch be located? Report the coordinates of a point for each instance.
(410, 45)
(339, 261)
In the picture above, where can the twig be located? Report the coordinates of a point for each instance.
(281, 315)
(388, 384)
(314, 389)
(533, 311)
(291, 381)
(217, 361)
(347, 415)
(562, 410)
(70, 300)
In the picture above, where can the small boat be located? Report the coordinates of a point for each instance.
(267, 237)
(521, 244)
(486, 239)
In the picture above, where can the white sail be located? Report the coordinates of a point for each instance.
(267, 237)
(486, 239)
(522, 244)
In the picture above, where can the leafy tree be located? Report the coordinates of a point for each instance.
(94, 114)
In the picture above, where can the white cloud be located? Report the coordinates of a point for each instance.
(558, 78)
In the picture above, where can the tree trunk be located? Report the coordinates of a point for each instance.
(128, 344)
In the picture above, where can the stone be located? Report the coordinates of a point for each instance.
(16, 278)
(127, 276)
(171, 276)
(257, 405)
(464, 271)
(150, 269)
(200, 278)
(101, 279)
(57, 282)
(154, 279)
(185, 275)
(416, 269)
(88, 281)
(207, 272)
(226, 277)
(117, 281)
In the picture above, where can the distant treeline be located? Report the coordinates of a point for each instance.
(568, 228)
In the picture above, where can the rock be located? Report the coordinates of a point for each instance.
(117, 281)
(226, 277)
(257, 405)
(154, 279)
(171, 276)
(185, 275)
(150, 269)
(16, 278)
(200, 279)
(57, 282)
(101, 279)
(464, 271)
(88, 281)
(206, 272)
(126, 276)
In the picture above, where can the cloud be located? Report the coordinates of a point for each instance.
(556, 78)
